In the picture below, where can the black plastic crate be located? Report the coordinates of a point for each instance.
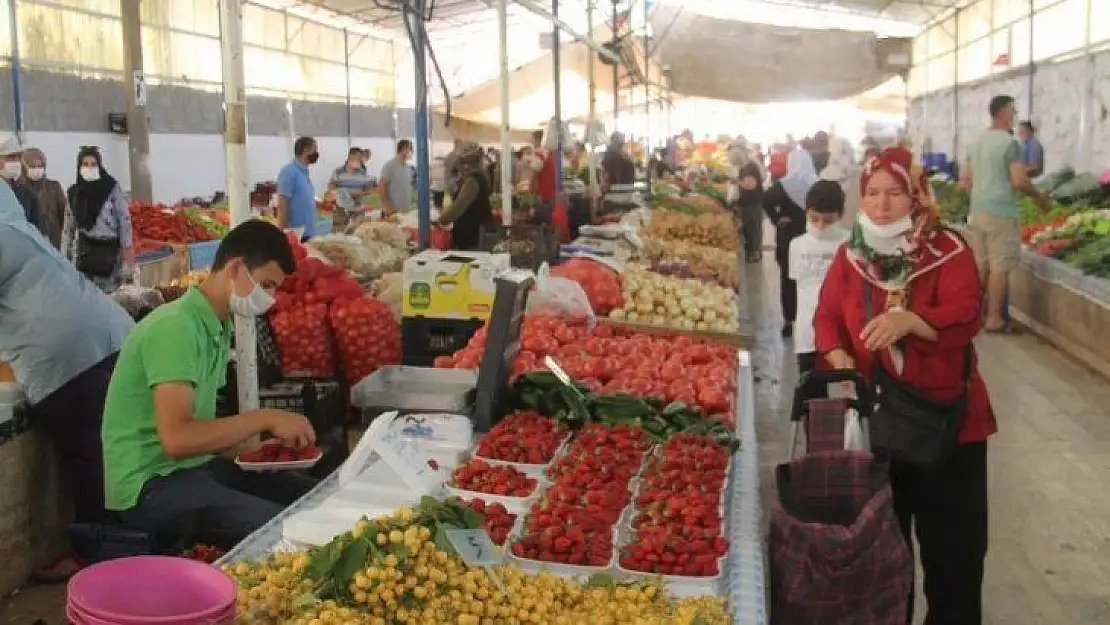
(528, 246)
(423, 339)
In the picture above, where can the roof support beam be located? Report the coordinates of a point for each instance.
(566, 28)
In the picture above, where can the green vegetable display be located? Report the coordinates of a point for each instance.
(543, 392)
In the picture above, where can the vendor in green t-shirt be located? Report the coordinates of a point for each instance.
(167, 458)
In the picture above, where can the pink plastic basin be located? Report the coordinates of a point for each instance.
(152, 590)
(77, 617)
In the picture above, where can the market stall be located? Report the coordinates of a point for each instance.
(741, 580)
(1061, 289)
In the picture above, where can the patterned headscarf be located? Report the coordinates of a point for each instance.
(892, 271)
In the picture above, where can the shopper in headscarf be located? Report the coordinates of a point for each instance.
(11, 172)
(50, 195)
(61, 336)
(471, 209)
(785, 204)
(924, 285)
(750, 205)
(843, 170)
(97, 234)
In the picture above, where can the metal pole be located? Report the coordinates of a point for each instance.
(235, 145)
(647, 94)
(1032, 63)
(419, 57)
(138, 130)
(506, 131)
(347, 78)
(556, 86)
(592, 116)
(17, 89)
(616, 77)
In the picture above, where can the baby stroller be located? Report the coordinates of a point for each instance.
(836, 551)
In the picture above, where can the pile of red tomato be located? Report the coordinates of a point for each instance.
(601, 284)
(322, 319)
(614, 359)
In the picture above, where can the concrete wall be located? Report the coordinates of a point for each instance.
(1069, 109)
(62, 112)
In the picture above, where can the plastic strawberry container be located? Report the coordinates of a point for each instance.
(677, 585)
(529, 565)
(290, 465)
(516, 505)
(531, 470)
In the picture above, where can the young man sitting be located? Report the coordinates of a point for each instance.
(167, 458)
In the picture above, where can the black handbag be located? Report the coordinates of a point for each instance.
(97, 258)
(908, 426)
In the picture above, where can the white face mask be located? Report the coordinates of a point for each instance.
(90, 174)
(888, 238)
(254, 304)
(826, 232)
(36, 173)
(12, 170)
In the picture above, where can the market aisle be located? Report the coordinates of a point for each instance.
(1049, 465)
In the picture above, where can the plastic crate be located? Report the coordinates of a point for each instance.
(528, 246)
(423, 339)
(99, 542)
(202, 255)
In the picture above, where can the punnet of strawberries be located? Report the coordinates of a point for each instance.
(677, 525)
(601, 456)
(276, 452)
(525, 437)
(479, 476)
(497, 520)
(567, 541)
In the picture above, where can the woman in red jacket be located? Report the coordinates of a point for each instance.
(925, 288)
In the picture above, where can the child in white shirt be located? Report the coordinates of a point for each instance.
(809, 258)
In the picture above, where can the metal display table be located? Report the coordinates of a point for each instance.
(745, 567)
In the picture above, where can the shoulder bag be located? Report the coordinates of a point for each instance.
(96, 257)
(909, 426)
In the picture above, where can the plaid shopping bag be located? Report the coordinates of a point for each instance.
(825, 424)
(837, 554)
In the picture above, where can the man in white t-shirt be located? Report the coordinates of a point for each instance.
(809, 258)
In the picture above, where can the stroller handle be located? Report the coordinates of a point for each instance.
(814, 385)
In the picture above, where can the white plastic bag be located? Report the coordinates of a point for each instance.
(560, 297)
(856, 437)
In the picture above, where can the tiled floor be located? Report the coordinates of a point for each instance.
(1049, 561)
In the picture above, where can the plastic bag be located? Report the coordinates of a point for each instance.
(136, 300)
(560, 297)
(856, 437)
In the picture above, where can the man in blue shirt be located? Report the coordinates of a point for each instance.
(296, 197)
(60, 334)
(1032, 152)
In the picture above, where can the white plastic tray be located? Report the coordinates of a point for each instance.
(531, 470)
(292, 465)
(516, 505)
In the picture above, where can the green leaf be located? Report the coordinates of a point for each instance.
(699, 620)
(351, 561)
(601, 580)
(322, 560)
(305, 601)
(471, 518)
(443, 543)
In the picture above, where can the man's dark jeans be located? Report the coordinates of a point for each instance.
(217, 503)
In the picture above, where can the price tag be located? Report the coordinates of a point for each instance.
(475, 547)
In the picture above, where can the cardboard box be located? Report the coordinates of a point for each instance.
(448, 284)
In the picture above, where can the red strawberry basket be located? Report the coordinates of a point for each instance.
(273, 456)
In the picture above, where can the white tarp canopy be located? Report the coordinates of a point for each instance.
(745, 62)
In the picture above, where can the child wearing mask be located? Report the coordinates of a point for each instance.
(809, 258)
